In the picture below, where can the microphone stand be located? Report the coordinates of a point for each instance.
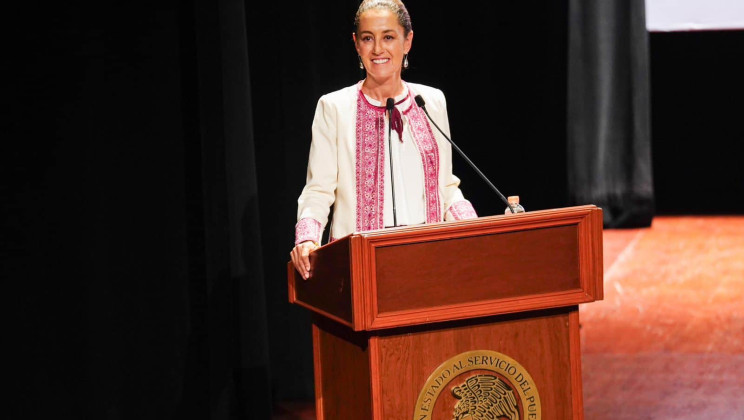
(420, 102)
(389, 106)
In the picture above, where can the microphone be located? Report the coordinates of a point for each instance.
(389, 104)
(422, 104)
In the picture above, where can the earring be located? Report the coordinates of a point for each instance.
(405, 61)
(361, 65)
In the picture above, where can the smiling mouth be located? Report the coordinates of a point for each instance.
(381, 60)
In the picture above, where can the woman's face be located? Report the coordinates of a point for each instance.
(381, 43)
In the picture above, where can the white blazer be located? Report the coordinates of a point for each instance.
(332, 166)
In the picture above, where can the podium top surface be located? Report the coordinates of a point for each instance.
(456, 270)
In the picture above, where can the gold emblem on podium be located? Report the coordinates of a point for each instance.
(485, 397)
(479, 385)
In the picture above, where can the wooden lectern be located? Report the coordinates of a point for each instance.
(434, 321)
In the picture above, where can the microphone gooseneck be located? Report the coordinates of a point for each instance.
(389, 105)
(422, 104)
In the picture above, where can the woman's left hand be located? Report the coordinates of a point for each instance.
(301, 257)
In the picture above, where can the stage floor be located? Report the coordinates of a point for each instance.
(667, 342)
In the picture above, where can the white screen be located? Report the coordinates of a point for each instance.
(694, 15)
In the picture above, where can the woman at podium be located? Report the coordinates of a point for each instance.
(349, 165)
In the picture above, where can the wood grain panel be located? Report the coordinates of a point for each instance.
(477, 268)
(342, 376)
(328, 290)
(539, 341)
(576, 383)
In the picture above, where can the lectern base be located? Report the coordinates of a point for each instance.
(388, 374)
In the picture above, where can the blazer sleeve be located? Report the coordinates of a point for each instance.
(319, 192)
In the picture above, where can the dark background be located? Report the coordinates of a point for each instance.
(152, 157)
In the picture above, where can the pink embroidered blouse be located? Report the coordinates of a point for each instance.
(349, 166)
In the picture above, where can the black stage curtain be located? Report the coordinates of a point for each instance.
(132, 235)
(233, 338)
(609, 133)
(698, 100)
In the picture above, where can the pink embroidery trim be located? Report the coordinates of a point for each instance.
(307, 229)
(462, 210)
(370, 165)
(370, 162)
(427, 146)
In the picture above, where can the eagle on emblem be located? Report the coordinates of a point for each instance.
(485, 397)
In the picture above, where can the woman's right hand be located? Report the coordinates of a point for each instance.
(301, 257)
